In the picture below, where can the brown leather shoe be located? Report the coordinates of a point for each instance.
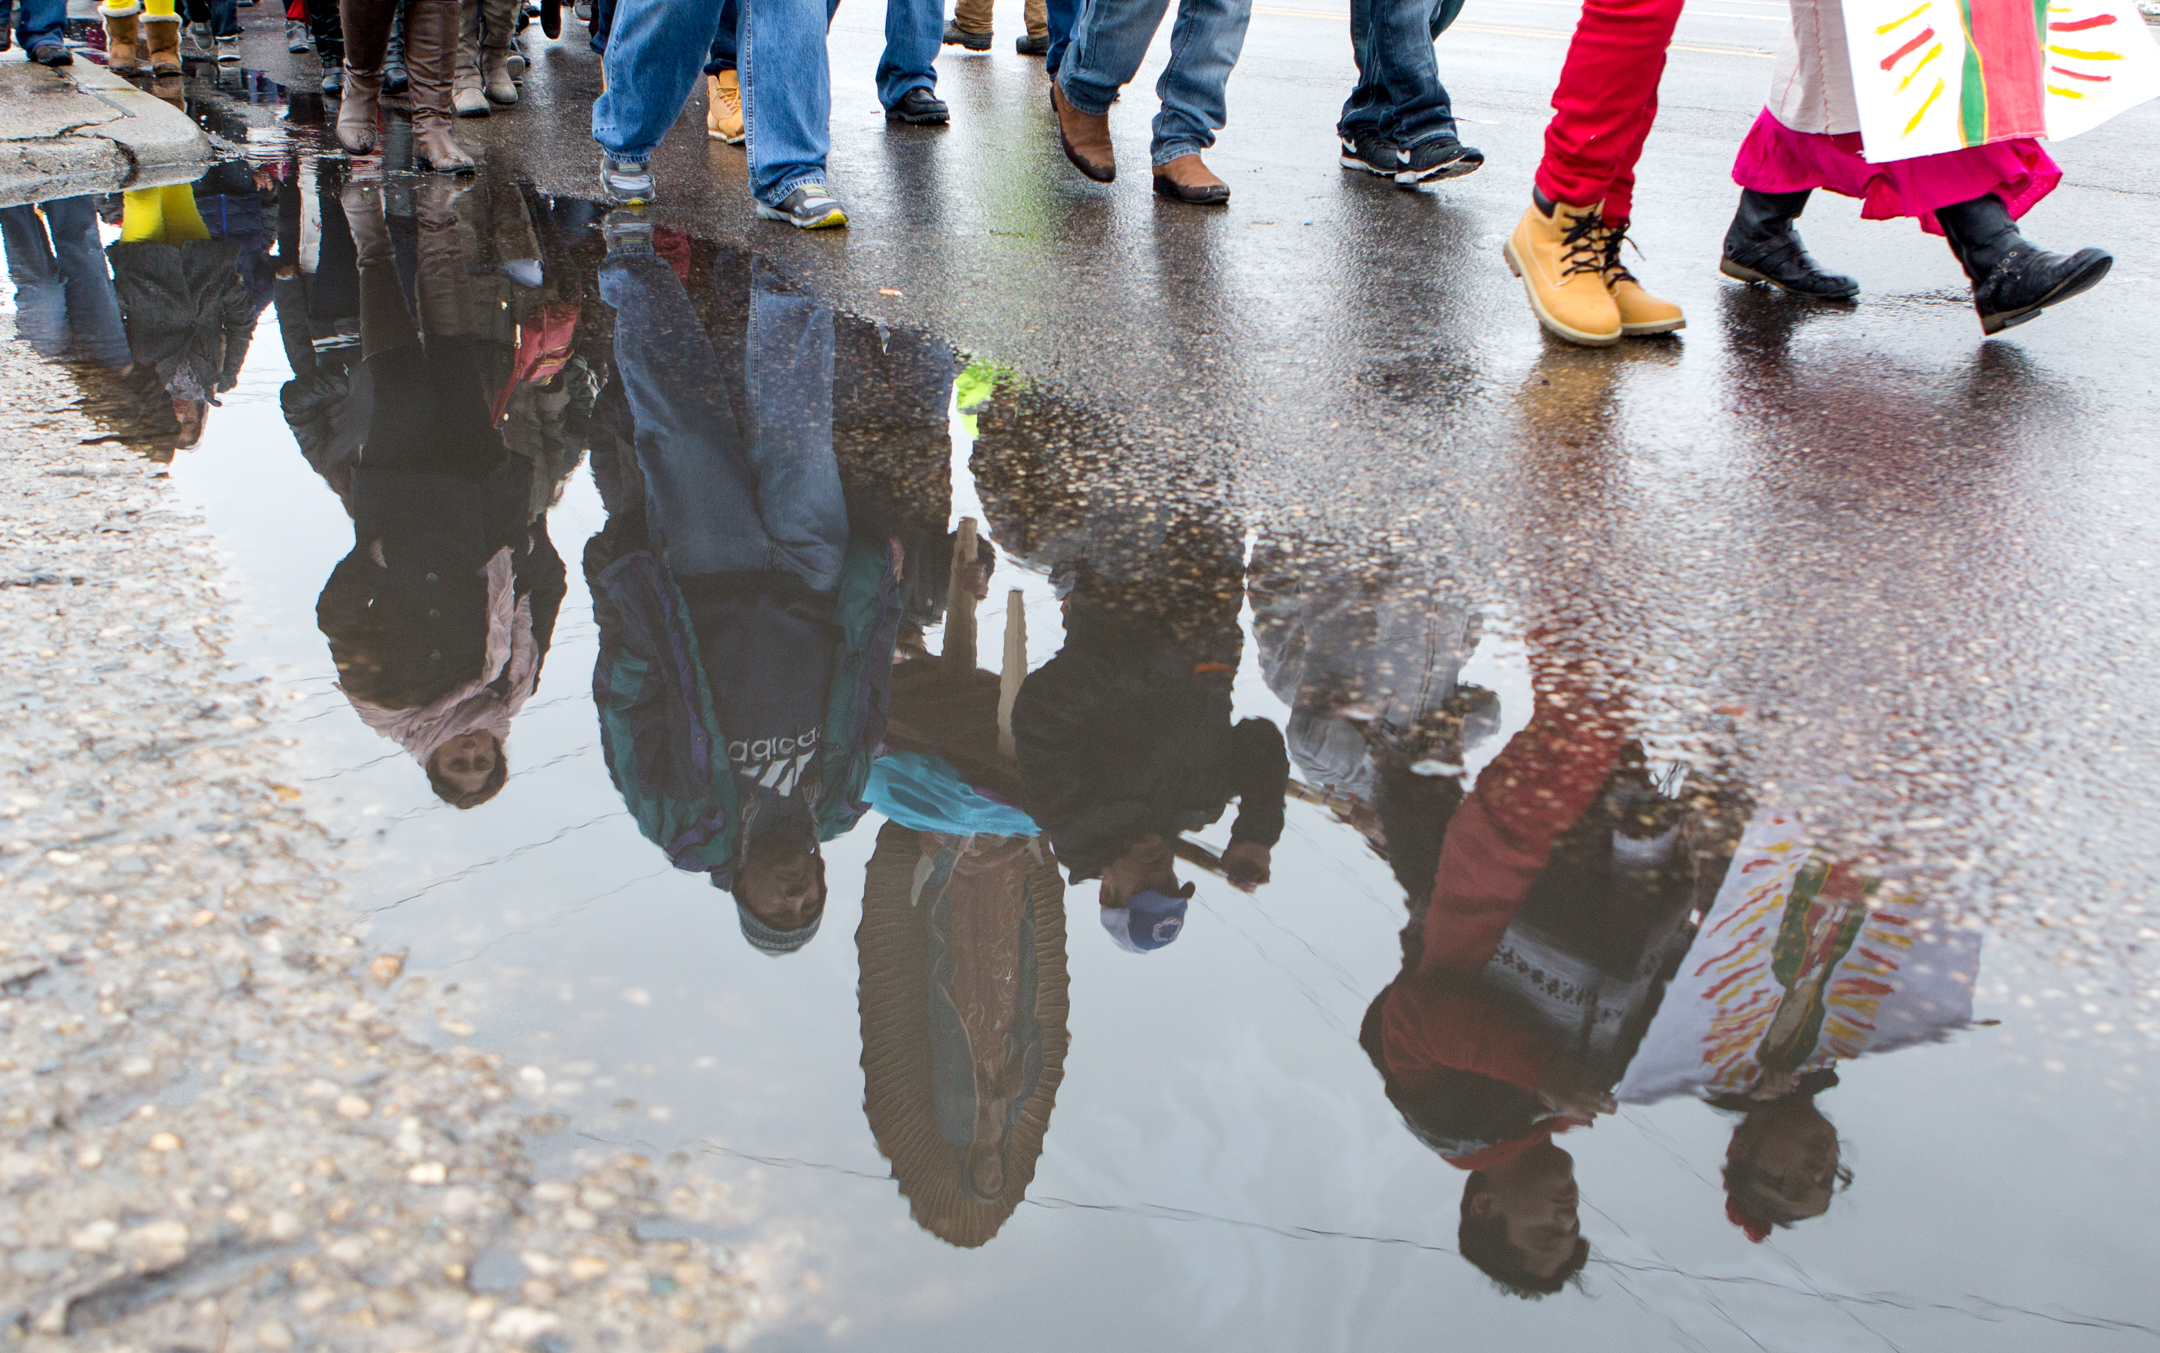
(1085, 137)
(1188, 180)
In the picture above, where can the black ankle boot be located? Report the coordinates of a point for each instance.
(1762, 246)
(2013, 279)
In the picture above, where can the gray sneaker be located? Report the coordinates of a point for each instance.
(627, 183)
(228, 51)
(809, 207)
(296, 36)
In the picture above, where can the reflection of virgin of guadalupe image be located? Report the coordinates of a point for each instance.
(963, 1000)
(1801, 963)
(1559, 906)
(746, 632)
(440, 617)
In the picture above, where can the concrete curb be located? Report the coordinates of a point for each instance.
(83, 129)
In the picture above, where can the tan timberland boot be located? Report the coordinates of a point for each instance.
(1641, 313)
(124, 51)
(723, 107)
(1560, 258)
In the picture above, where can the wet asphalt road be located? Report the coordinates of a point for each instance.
(1905, 577)
(1916, 567)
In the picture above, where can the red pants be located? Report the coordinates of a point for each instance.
(1605, 104)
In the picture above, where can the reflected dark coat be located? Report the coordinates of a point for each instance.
(1127, 731)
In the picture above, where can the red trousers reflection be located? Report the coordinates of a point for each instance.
(1605, 103)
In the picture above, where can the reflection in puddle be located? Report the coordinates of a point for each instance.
(1607, 975)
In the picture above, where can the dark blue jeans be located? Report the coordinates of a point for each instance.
(1398, 93)
(65, 303)
(40, 23)
(223, 16)
(1061, 15)
(720, 498)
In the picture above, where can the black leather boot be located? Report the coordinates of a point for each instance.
(1762, 246)
(2014, 279)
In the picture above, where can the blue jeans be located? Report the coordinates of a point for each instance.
(717, 500)
(1111, 39)
(723, 43)
(913, 31)
(64, 297)
(223, 16)
(657, 50)
(1060, 15)
(1398, 93)
(40, 23)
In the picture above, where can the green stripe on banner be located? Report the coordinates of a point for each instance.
(1972, 93)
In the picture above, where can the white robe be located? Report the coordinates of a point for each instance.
(1812, 88)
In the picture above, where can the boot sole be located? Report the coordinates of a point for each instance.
(918, 119)
(1453, 169)
(828, 221)
(1652, 330)
(1553, 326)
(734, 140)
(2074, 286)
(1741, 273)
(1208, 198)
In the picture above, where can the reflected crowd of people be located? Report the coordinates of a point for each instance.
(787, 645)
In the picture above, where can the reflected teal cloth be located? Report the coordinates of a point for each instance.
(926, 793)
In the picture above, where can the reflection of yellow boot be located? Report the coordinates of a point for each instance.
(1641, 313)
(123, 38)
(1560, 258)
(723, 107)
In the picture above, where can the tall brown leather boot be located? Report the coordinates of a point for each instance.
(431, 58)
(124, 53)
(366, 28)
(358, 110)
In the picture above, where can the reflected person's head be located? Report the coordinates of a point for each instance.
(1782, 1166)
(780, 894)
(1147, 865)
(468, 770)
(190, 414)
(1519, 1223)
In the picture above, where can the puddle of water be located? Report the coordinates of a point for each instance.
(490, 456)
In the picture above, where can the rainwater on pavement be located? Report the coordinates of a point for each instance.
(1817, 649)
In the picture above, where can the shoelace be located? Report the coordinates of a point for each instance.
(1584, 244)
(1613, 237)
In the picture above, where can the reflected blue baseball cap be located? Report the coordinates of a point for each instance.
(1147, 922)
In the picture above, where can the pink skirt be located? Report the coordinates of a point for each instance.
(1777, 159)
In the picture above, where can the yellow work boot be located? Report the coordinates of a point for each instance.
(723, 108)
(1641, 313)
(1559, 256)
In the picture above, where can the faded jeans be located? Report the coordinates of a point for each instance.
(1112, 38)
(65, 302)
(1398, 93)
(720, 498)
(656, 53)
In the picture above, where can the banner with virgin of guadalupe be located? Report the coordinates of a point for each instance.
(1801, 963)
(1940, 75)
